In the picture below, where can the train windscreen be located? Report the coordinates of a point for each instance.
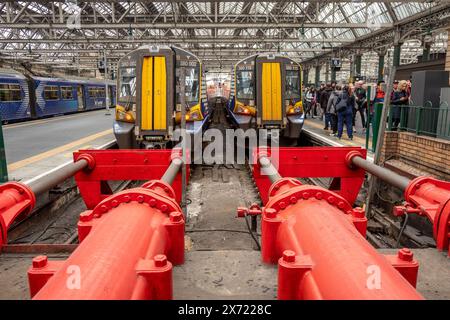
(192, 88)
(127, 82)
(245, 84)
(292, 84)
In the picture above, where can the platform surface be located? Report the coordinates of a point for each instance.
(34, 147)
(359, 138)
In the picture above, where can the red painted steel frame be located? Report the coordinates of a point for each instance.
(123, 165)
(313, 162)
(16, 202)
(430, 197)
(317, 239)
(128, 244)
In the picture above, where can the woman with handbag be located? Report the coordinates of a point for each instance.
(344, 109)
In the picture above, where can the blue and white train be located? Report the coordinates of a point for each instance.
(29, 97)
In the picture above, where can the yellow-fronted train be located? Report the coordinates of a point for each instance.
(266, 92)
(148, 97)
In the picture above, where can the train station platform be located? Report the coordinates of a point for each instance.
(35, 147)
(316, 127)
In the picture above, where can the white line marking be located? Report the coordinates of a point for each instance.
(103, 146)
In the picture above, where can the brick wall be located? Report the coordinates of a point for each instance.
(429, 155)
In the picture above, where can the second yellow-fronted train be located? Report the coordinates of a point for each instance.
(148, 97)
(267, 93)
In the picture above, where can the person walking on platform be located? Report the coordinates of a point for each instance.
(324, 97)
(344, 108)
(310, 98)
(318, 103)
(331, 109)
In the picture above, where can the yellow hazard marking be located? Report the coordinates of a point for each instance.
(57, 151)
(271, 91)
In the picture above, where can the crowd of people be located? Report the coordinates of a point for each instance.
(338, 105)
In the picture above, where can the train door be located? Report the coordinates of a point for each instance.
(271, 91)
(32, 94)
(153, 94)
(80, 97)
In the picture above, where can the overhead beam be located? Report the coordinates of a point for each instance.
(190, 25)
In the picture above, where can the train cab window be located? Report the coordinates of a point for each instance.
(10, 92)
(192, 88)
(67, 93)
(127, 83)
(51, 93)
(245, 84)
(293, 90)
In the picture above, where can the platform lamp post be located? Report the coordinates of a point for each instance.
(182, 90)
(3, 165)
(105, 70)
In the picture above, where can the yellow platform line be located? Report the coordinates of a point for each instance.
(56, 151)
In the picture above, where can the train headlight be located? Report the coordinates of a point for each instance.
(123, 115)
(194, 114)
(245, 110)
(296, 109)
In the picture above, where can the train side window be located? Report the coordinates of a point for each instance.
(10, 92)
(67, 93)
(92, 91)
(51, 93)
(101, 92)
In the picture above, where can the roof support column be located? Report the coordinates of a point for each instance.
(358, 58)
(447, 56)
(333, 74)
(305, 76)
(397, 52)
(381, 56)
(317, 80)
(426, 50)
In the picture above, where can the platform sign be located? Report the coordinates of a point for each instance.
(336, 63)
(3, 165)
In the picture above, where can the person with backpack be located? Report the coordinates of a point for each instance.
(331, 109)
(344, 109)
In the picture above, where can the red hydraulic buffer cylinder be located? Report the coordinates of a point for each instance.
(129, 242)
(318, 241)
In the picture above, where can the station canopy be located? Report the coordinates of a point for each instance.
(79, 34)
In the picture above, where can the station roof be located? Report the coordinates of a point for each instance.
(77, 34)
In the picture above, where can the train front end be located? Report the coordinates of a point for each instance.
(148, 102)
(279, 96)
(267, 94)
